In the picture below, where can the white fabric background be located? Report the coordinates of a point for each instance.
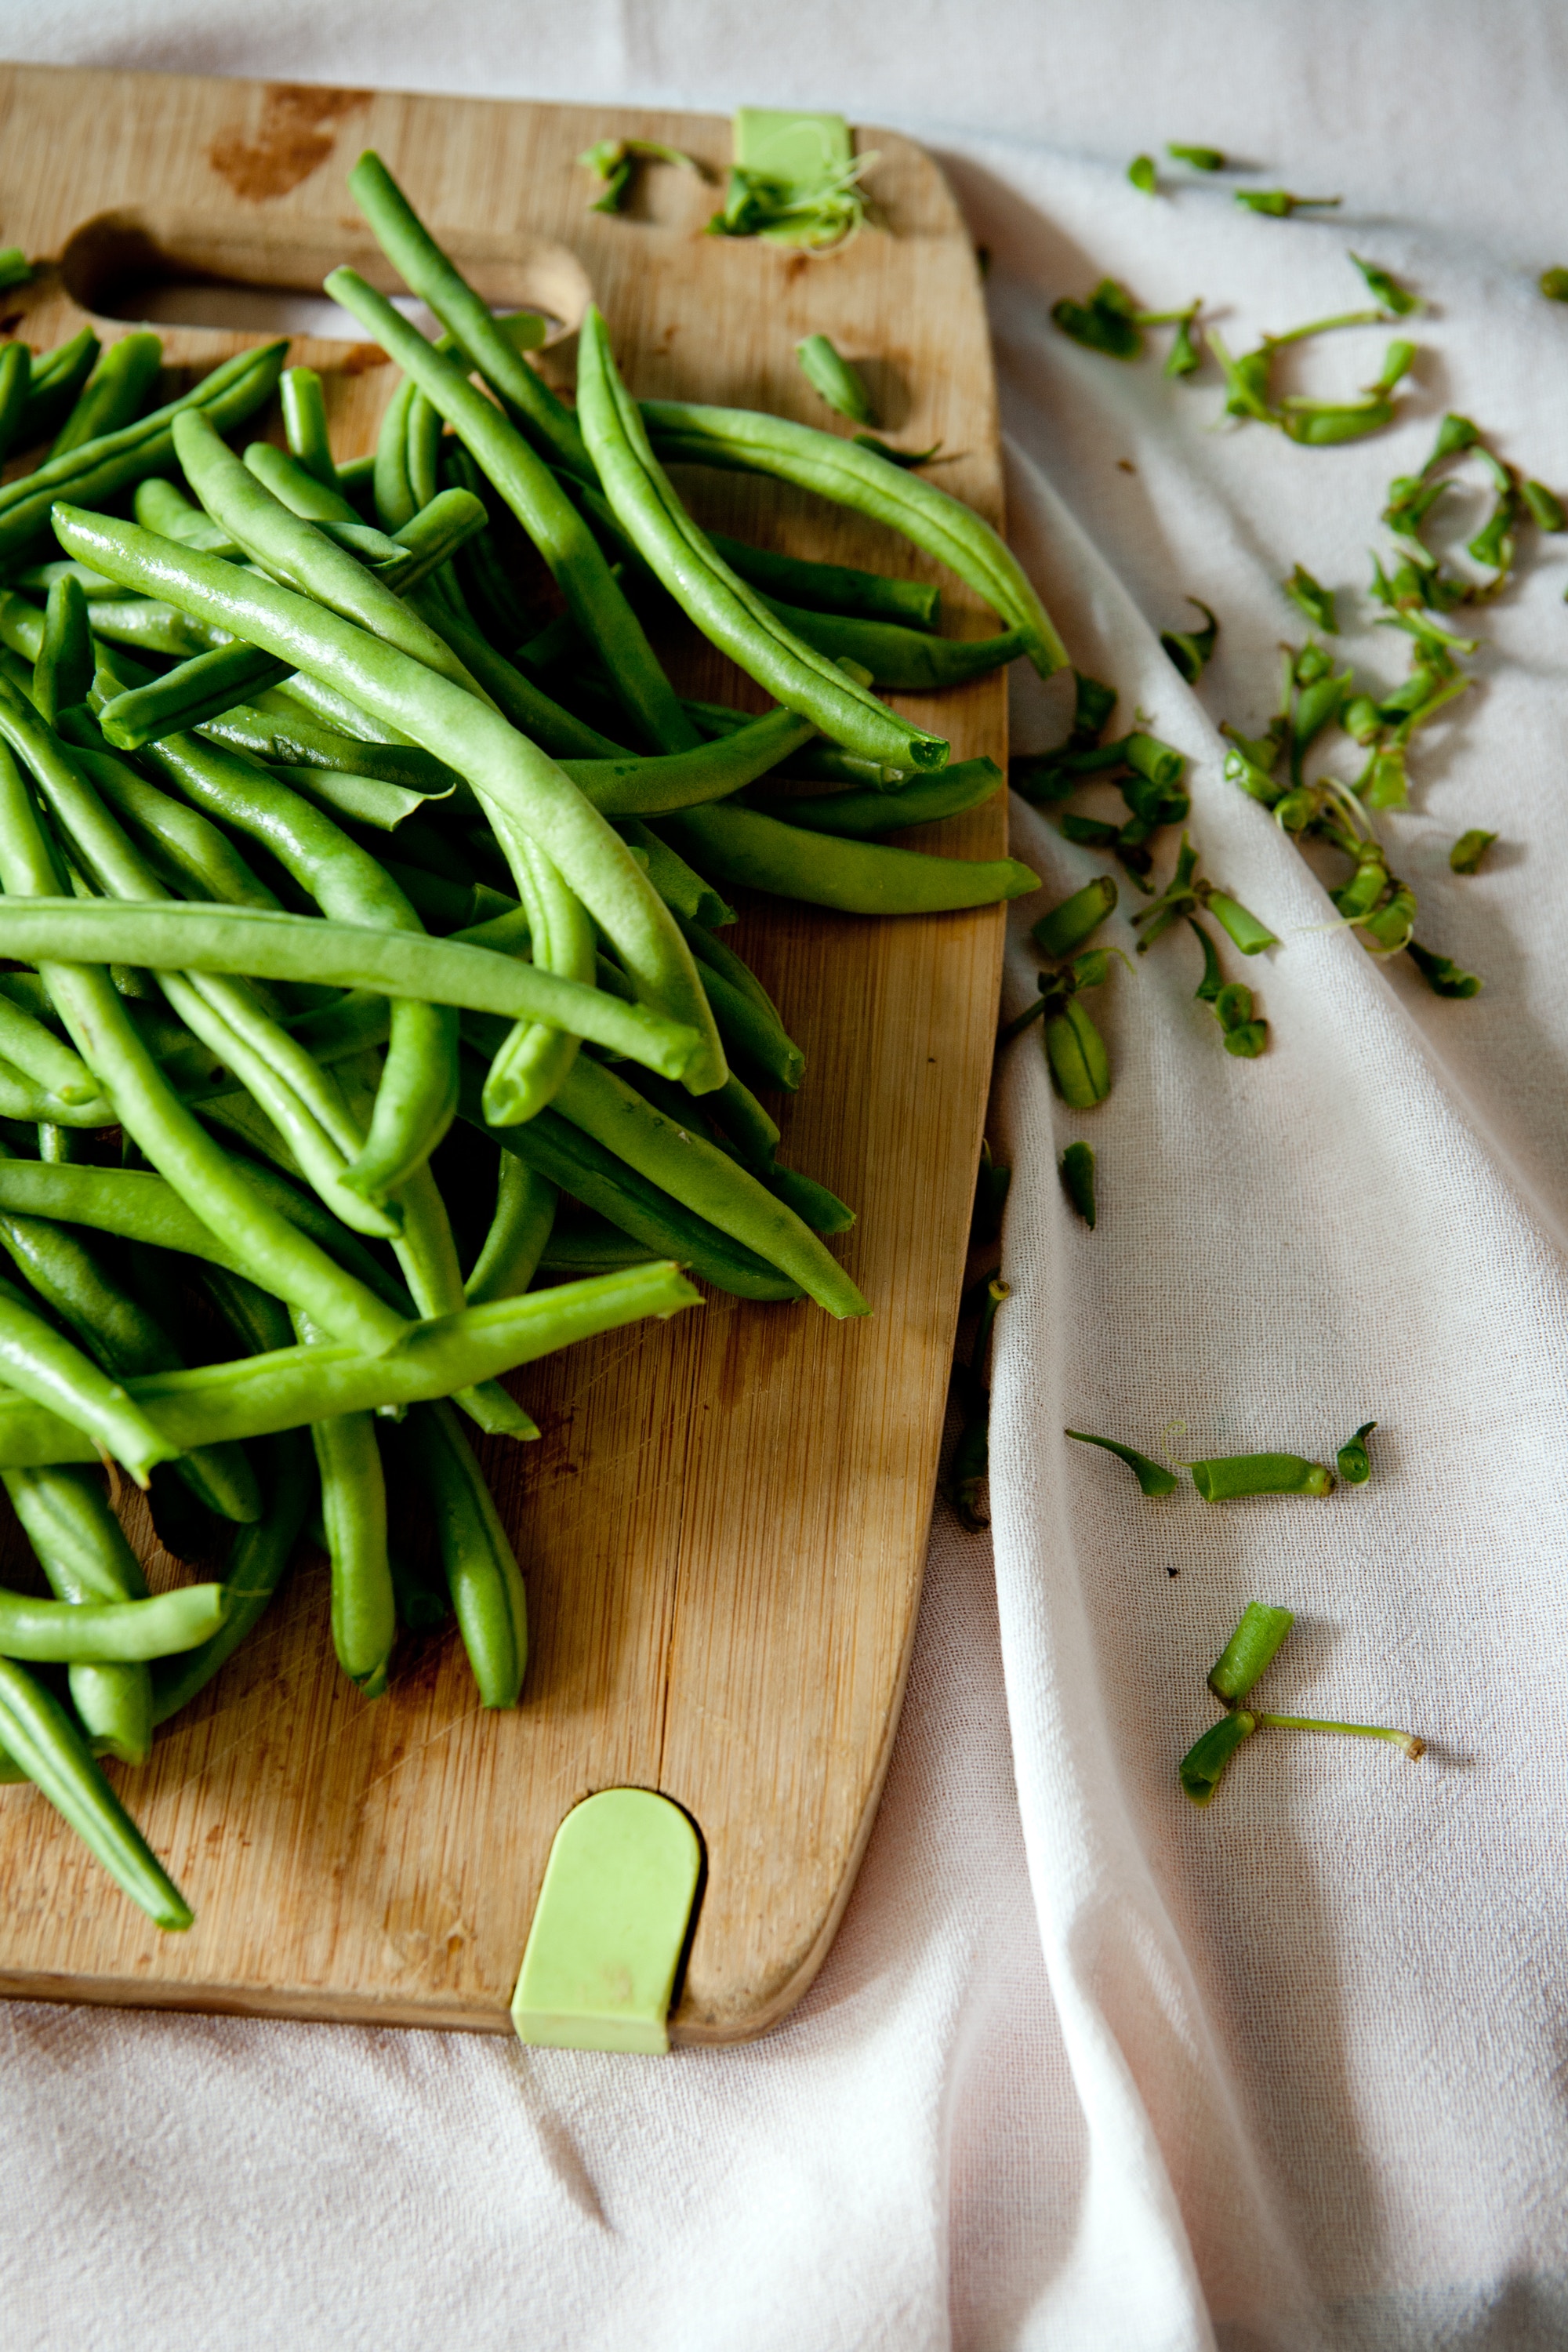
(1085, 2068)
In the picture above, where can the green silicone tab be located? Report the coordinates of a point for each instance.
(609, 1927)
(799, 151)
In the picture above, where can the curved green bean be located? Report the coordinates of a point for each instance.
(113, 393)
(48, 1060)
(128, 1633)
(836, 468)
(82, 1548)
(233, 392)
(16, 383)
(296, 487)
(707, 1181)
(55, 378)
(305, 423)
(831, 587)
(195, 855)
(649, 787)
(353, 1516)
(37, 1731)
(509, 773)
(533, 1063)
(254, 1568)
(539, 504)
(159, 505)
(41, 1363)
(901, 660)
(292, 738)
(730, 613)
(482, 341)
(519, 1230)
(482, 1573)
(861, 817)
(749, 851)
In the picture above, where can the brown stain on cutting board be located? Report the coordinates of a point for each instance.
(292, 140)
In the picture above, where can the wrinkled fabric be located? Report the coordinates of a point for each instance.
(1085, 2067)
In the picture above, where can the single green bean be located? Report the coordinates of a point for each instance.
(113, 393)
(566, 1157)
(159, 505)
(15, 382)
(353, 1514)
(901, 660)
(82, 1548)
(100, 468)
(532, 1064)
(55, 378)
(194, 855)
(37, 1731)
(861, 817)
(509, 773)
(64, 1633)
(649, 787)
(753, 442)
(39, 1363)
(519, 1230)
(724, 607)
(291, 480)
(831, 587)
(151, 1113)
(64, 669)
(743, 849)
(707, 1181)
(49, 1061)
(288, 738)
(262, 1394)
(255, 1565)
(305, 423)
(482, 1573)
(591, 1244)
(481, 337)
(539, 504)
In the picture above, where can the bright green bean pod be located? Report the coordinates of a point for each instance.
(481, 338)
(727, 612)
(113, 393)
(353, 1513)
(743, 849)
(482, 1573)
(159, 505)
(836, 468)
(634, 787)
(524, 1213)
(233, 392)
(902, 660)
(55, 378)
(707, 1181)
(37, 1731)
(254, 1568)
(861, 817)
(64, 669)
(196, 857)
(292, 738)
(261, 1394)
(305, 423)
(293, 483)
(39, 1363)
(63, 1632)
(15, 382)
(48, 1060)
(82, 1548)
(533, 1063)
(539, 504)
(831, 587)
(507, 771)
(829, 374)
(153, 1115)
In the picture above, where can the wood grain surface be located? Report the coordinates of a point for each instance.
(724, 1526)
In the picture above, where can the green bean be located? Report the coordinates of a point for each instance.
(591, 1244)
(831, 587)
(482, 1573)
(41, 1363)
(749, 1020)
(291, 481)
(1225, 1477)
(290, 739)
(414, 1104)
(66, 1633)
(481, 339)
(684, 891)
(261, 1394)
(753, 442)
(54, 381)
(648, 787)
(124, 1339)
(37, 1731)
(539, 504)
(747, 850)
(113, 393)
(524, 1212)
(509, 774)
(233, 392)
(508, 616)
(151, 1114)
(50, 1063)
(529, 708)
(192, 852)
(255, 1565)
(1250, 1649)
(705, 1180)
(861, 817)
(159, 505)
(15, 380)
(120, 1201)
(829, 374)
(533, 1063)
(353, 1514)
(568, 1157)
(82, 1550)
(899, 659)
(727, 612)
(305, 423)
(64, 669)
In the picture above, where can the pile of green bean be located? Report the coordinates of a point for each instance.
(365, 1030)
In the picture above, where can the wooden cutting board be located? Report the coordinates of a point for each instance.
(725, 1524)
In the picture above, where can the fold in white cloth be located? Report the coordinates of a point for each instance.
(1086, 2068)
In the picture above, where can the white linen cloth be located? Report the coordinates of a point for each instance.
(1085, 2068)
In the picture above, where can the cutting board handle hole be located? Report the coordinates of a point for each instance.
(179, 270)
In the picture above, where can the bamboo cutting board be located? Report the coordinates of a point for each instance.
(724, 1526)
